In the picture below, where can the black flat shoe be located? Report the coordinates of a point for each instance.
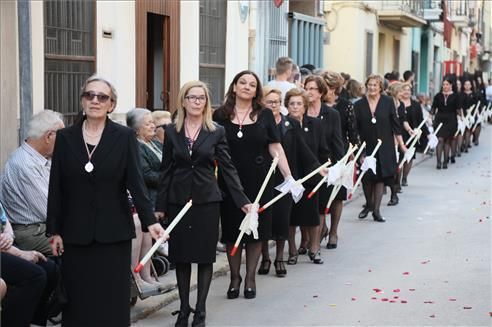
(198, 319)
(394, 201)
(249, 293)
(316, 257)
(453, 160)
(444, 166)
(363, 214)
(438, 166)
(404, 182)
(280, 268)
(302, 250)
(264, 267)
(182, 320)
(233, 293)
(377, 217)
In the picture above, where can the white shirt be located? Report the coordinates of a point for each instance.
(24, 186)
(284, 87)
(488, 93)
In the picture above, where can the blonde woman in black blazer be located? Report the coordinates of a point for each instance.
(89, 220)
(191, 146)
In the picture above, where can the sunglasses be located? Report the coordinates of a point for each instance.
(101, 97)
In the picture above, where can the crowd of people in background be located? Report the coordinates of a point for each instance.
(96, 193)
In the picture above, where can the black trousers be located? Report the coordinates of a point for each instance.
(28, 287)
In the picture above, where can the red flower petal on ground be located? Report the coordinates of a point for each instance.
(374, 298)
(411, 289)
(377, 290)
(451, 299)
(396, 297)
(403, 301)
(467, 308)
(354, 298)
(369, 270)
(406, 273)
(384, 299)
(396, 290)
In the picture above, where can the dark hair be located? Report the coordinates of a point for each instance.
(393, 76)
(309, 67)
(320, 84)
(463, 85)
(345, 76)
(451, 79)
(227, 109)
(407, 74)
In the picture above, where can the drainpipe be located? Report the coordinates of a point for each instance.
(25, 65)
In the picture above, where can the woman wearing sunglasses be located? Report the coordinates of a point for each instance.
(89, 220)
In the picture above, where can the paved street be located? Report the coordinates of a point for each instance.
(429, 264)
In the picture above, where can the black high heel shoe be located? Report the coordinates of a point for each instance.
(377, 217)
(393, 201)
(249, 293)
(316, 257)
(280, 268)
(264, 267)
(233, 293)
(302, 250)
(182, 320)
(198, 319)
(438, 166)
(332, 245)
(363, 214)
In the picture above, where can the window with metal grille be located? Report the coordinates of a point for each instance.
(213, 24)
(369, 48)
(69, 47)
(306, 39)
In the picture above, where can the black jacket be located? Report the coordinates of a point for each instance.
(85, 207)
(185, 177)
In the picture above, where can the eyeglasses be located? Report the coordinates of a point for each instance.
(271, 102)
(193, 98)
(163, 126)
(101, 97)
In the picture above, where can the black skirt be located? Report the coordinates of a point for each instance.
(195, 237)
(97, 282)
(305, 212)
(449, 124)
(324, 196)
(281, 212)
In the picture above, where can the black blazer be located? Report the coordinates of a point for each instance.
(386, 127)
(332, 127)
(85, 207)
(185, 177)
(300, 158)
(313, 134)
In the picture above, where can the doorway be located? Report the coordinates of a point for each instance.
(157, 62)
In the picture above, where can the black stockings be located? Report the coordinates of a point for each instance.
(183, 276)
(253, 251)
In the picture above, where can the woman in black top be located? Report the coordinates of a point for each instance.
(300, 159)
(191, 146)
(445, 108)
(334, 82)
(376, 119)
(306, 212)
(468, 99)
(483, 100)
(414, 116)
(254, 140)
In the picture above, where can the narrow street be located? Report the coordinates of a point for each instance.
(429, 264)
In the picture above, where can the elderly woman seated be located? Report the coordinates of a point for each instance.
(140, 120)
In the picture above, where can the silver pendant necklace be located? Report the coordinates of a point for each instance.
(241, 122)
(88, 167)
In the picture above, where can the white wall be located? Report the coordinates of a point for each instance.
(116, 57)
(236, 43)
(189, 41)
(37, 46)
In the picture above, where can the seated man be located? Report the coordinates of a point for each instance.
(30, 279)
(24, 187)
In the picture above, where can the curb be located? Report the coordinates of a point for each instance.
(145, 308)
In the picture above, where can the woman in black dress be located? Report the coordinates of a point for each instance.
(445, 108)
(317, 90)
(191, 145)
(306, 212)
(299, 156)
(468, 99)
(334, 82)
(376, 119)
(414, 115)
(91, 222)
(254, 140)
(483, 100)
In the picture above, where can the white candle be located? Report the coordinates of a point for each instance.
(376, 148)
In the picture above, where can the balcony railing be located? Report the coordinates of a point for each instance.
(432, 10)
(402, 13)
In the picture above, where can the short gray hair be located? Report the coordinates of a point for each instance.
(135, 116)
(96, 78)
(42, 122)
